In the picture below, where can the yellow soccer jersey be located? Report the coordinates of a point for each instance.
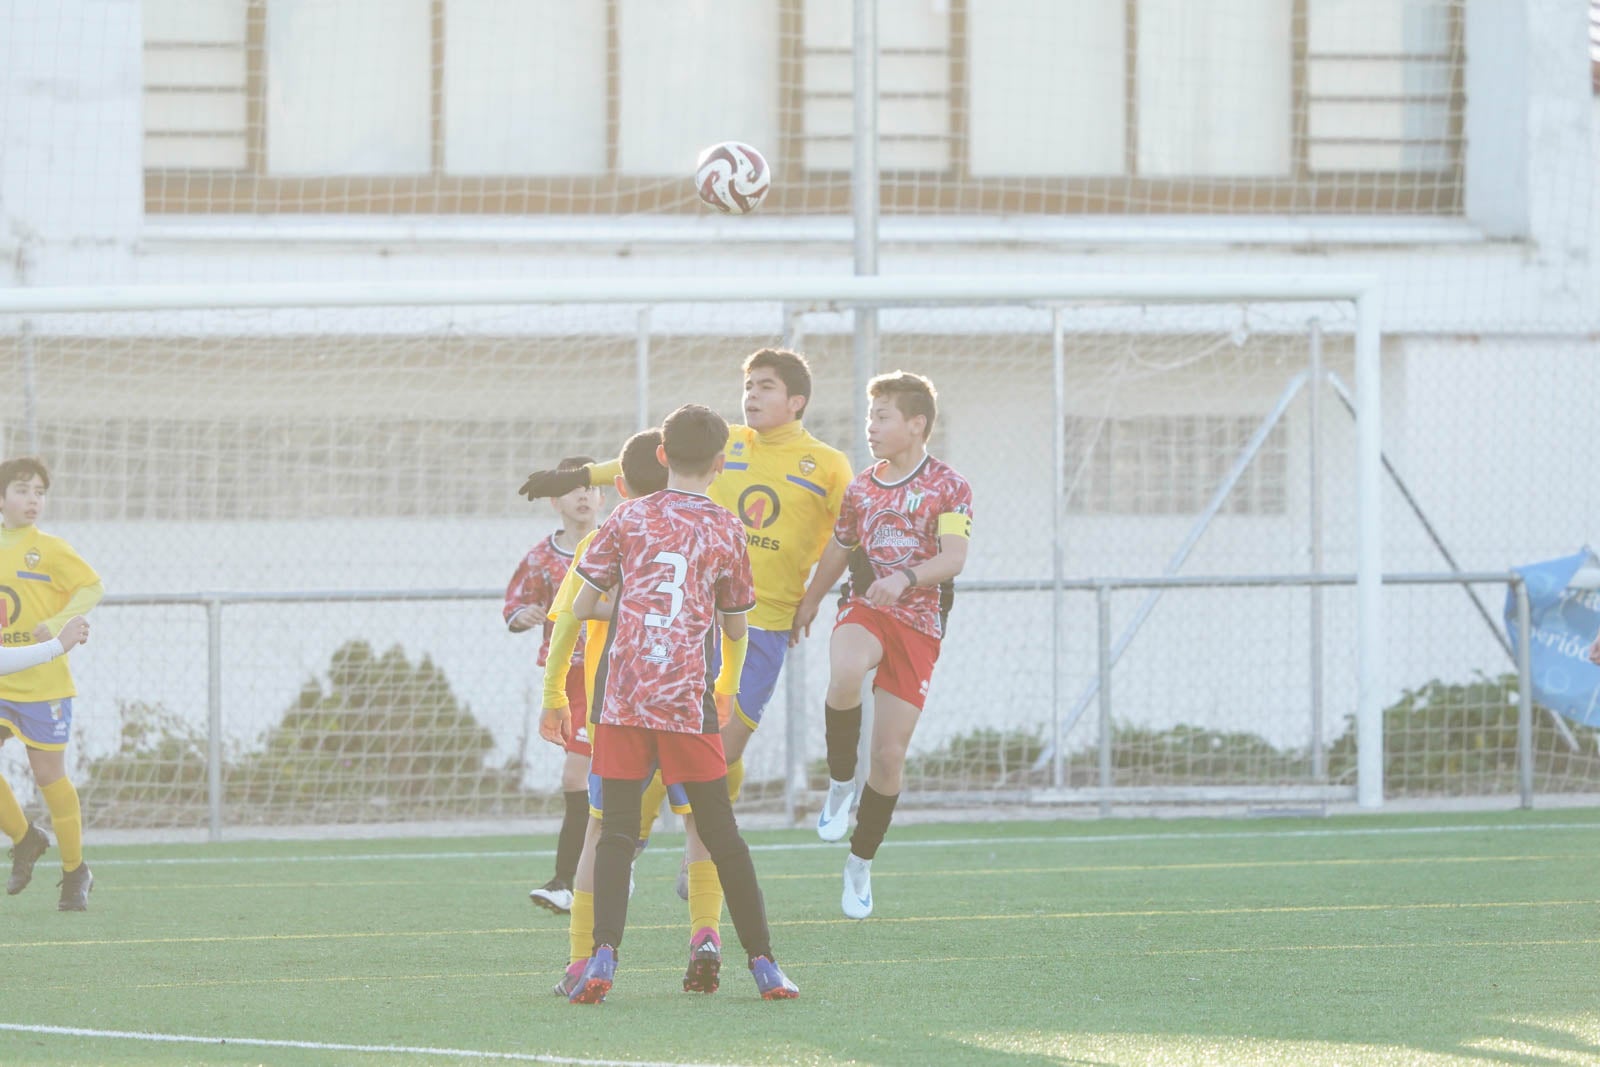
(786, 487)
(39, 573)
(594, 634)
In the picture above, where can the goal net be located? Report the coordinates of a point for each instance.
(307, 515)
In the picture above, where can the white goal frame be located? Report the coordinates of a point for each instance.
(871, 292)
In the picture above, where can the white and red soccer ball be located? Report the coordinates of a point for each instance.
(732, 177)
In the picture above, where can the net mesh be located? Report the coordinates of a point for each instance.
(541, 106)
(284, 460)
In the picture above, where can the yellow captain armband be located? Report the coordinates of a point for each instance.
(558, 661)
(957, 523)
(733, 653)
(602, 474)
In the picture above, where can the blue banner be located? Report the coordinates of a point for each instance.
(1566, 636)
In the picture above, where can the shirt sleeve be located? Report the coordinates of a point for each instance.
(736, 589)
(516, 590)
(844, 528)
(839, 483)
(72, 573)
(601, 565)
(956, 517)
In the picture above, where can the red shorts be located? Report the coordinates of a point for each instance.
(635, 752)
(578, 705)
(908, 654)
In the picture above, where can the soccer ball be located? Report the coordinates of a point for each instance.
(732, 177)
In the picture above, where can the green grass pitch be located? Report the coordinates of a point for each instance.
(1382, 939)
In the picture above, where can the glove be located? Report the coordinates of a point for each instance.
(541, 485)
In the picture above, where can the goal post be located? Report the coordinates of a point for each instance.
(1066, 399)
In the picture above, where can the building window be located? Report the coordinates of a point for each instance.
(985, 106)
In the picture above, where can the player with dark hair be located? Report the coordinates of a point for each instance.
(674, 562)
(529, 595)
(44, 586)
(912, 515)
(785, 486)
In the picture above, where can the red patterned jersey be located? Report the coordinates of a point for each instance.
(534, 586)
(900, 523)
(678, 558)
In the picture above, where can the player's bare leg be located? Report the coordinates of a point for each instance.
(852, 652)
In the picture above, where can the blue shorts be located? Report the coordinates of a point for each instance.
(677, 798)
(763, 659)
(42, 724)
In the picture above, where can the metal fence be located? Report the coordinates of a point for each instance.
(1086, 751)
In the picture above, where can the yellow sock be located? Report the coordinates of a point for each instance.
(735, 778)
(67, 819)
(580, 926)
(705, 897)
(12, 822)
(650, 806)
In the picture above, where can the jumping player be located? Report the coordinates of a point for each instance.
(912, 515)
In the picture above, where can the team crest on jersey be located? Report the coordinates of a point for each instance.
(738, 447)
(31, 558)
(913, 500)
(808, 463)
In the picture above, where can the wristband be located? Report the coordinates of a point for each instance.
(911, 576)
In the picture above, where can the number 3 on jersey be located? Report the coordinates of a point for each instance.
(673, 587)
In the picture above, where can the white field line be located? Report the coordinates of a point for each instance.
(956, 842)
(326, 1046)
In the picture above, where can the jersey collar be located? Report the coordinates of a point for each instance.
(788, 433)
(890, 485)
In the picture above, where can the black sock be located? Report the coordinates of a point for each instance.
(713, 819)
(844, 734)
(872, 822)
(570, 843)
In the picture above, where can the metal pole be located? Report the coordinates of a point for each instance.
(1556, 720)
(794, 665)
(864, 207)
(794, 690)
(1524, 693)
(1102, 605)
(1058, 360)
(641, 370)
(1369, 552)
(1319, 764)
(214, 716)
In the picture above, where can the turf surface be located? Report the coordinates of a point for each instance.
(1446, 939)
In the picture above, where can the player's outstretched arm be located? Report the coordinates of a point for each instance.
(544, 484)
(835, 558)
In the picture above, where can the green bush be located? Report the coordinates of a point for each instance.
(383, 733)
(1461, 738)
(159, 762)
